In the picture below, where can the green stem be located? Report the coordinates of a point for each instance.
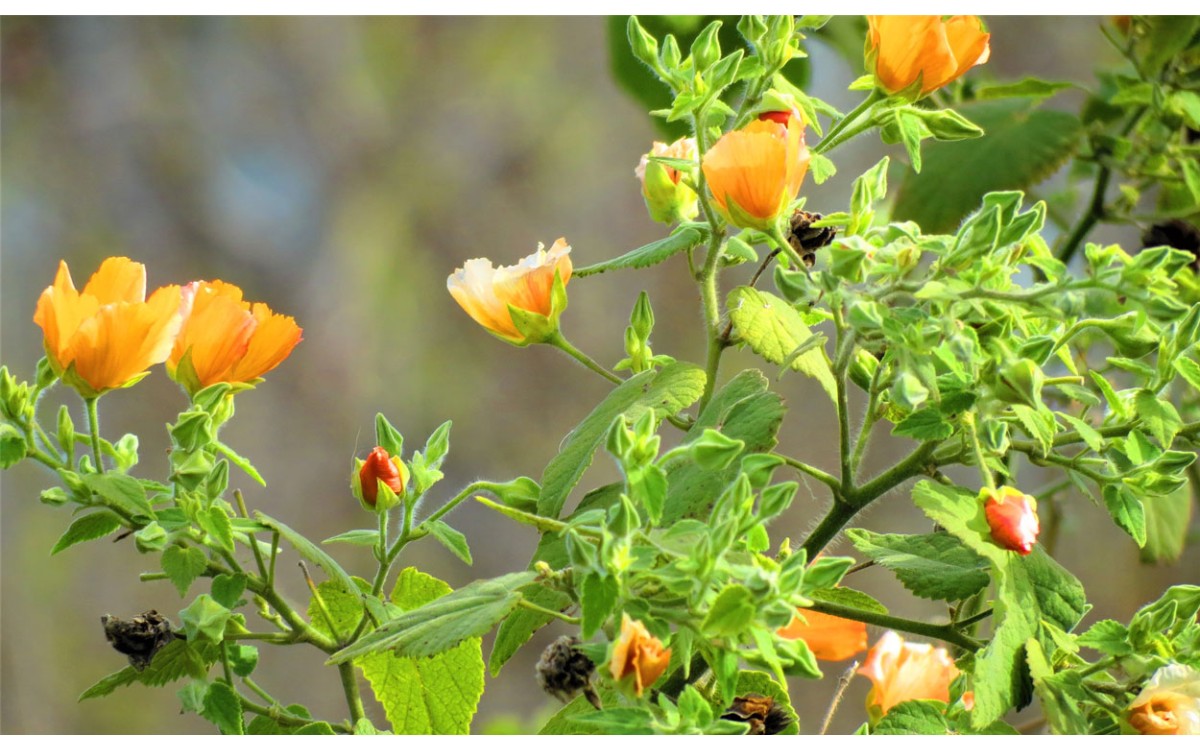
(812, 471)
(350, 687)
(975, 618)
(782, 243)
(560, 342)
(526, 604)
(454, 501)
(260, 692)
(839, 133)
(941, 632)
(707, 280)
(225, 668)
(94, 426)
(985, 473)
(258, 558)
(281, 717)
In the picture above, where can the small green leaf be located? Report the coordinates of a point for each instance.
(451, 538)
(1158, 416)
(773, 329)
(215, 522)
(731, 614)
(205, 616)
(174, 661)
(1126, 509)
(1094, 439)
(227, 589)
(1168, 519)
(183, 565)
(357, 537)
(914, 717)
(847, 598)
(925, 424)
(597, 597)
(1108, 637)
(122, 492)
(654, 253)
(1039, 424)
(12, 446)
(932, 566)
(223, 708)
(243, 659)
(1032, 88)
(87, 528)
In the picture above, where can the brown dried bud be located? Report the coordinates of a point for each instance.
(564, 671)
(140, 637)
(760, 712)
(1175, 233)
(806, 239)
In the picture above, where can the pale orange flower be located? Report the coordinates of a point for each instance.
(902, 671)
(902, 49)
(109, 334)
(755, 172)
(1170, 702)
(227, 340)
(667, 199)
(829, 638)
(638, 653)
(485, 293)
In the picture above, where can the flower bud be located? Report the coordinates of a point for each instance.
(381, 469)
(1012, 517)
(667, 198)
(638, 653)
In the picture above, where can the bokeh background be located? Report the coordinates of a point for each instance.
(339, 169)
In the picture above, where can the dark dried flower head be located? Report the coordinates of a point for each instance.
(759, 711)
(806, 239)
(1175, 233)
(564, 671)
(140, 637)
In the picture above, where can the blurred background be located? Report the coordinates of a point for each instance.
(339, 170)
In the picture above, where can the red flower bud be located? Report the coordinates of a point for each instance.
(1012, 516)
(780, 116)
(380, 467)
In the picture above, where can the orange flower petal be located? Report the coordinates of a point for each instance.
(485, 292)
(274, 338)
(830, 638)
(902, 49)
(902, 671)
(117, 280)
(638, 653)
(759, 168)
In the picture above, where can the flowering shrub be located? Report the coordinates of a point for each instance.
(1001, 350)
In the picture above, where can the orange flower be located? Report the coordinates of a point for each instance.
(1170, 702)
(904, 49)
(227, 340)
(829, 638)
(903, 671)
(638, 653)
(109, 334)
(489, 294)
(1012, 517)
(755, 172)
(667, 199)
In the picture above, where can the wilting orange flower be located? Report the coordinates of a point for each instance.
(638, 653)
(755, 172)
(667, 199)
(829, 638)
(486, 292)
(381, 468)
(1012, 517)
(902, 671)
(227, 340)
(1170, 702)
(901, 49)
(109, 334)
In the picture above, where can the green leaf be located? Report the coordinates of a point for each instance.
(451, 538)
(656, 252)
(87, 528)
(205, 616)
(1108, 637)
(1023, 145)
(443, 624)
(848, 598)
(174, 661)
(1190, 370)
(925, 424)
(215, 521)
(1094, 439)
(1032, 88)
(597, 598)
(914, 717)
(357, 537)
(1167, 520)
(673, 388)
(308, 550)
(1126, 509)
(317, 727)
(1039, 424)
(183, 566)
(773, 329)
(227, 589)
(932, 566)
(1158, 416)
(12, 446)
(243, 659)
(567, 719)
(223, 708)
(731, 613)
(1061, 695)
(122, 492)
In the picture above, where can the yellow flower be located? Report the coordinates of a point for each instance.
(829, 638)
(1170, 702)
(227, 340)
(638, 653)
(108, 335)
(490, 295)
(902, 49)
(667, 198)
(903, 671)
(755, 173)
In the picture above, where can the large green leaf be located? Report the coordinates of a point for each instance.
(675, 387)
(434, 695)
(174, 661)
(932, 566)
(651, 254)
(774, 330)
(444, 623)
(914, 717)
(1023, 145)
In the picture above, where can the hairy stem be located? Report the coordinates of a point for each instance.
(942, 632)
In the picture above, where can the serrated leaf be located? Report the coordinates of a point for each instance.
(205, 616)
(183, 566)
(1158, 416)
(1033, 88)
(174, 661)
(914, 717)
(673, 388)
(1091, 437)
(85, 529)
(1126, 510)
(651, 254)
(1061, 695)
(1039, 424)
(1167, 519)
(227, 589)
(925, 424)
(932, 566)
(223, 708)
(1190, 370)
(773, 329)
(1108, 637)
(731, 613)
(215, 522)
(1023, 145)
(451, 538)
(308, 550)
(122, 492)
(848, 598)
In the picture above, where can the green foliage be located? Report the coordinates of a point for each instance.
(774, 330)
(914, 717)
(174, 661)
(932, 566)
(86, 528)
(183, 565)
(308, 550)
(682, 239)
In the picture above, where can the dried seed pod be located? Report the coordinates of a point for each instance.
(140, 637)
(760, 712)
(564, 671)
(806, 239)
